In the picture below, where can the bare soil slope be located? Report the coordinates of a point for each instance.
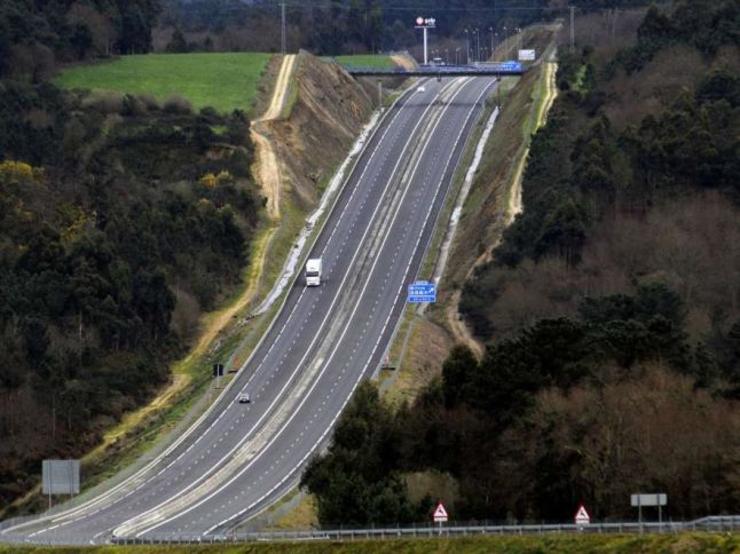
(325, 110)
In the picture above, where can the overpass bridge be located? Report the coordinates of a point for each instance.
(496, 69)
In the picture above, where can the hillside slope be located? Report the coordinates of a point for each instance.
(325, 111)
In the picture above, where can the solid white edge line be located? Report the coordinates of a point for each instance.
(317, 335)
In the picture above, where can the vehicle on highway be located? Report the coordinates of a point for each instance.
(244, 398)
(313, 272)
(421, 89)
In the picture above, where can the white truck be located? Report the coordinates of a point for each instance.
(313, 272)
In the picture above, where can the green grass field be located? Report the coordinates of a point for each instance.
(224, 81)
(366, 61)
(685, 543)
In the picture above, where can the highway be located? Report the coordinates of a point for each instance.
(238, 459)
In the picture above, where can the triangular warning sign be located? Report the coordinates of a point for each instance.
(440, 514)
(582, 517)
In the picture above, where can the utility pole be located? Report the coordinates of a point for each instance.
(572, 29)
(283, 45)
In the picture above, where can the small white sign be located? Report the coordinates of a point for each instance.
(440, 514)
(527, 55)
(582, 517)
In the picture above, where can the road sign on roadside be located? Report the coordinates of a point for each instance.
(440, 514)
(582, 517)
(641, 500)
(656, 499)
(60, 477)
(422, 291)
(526, 55)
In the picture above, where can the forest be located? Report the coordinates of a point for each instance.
(350, 26)
(610, 310)
(122, 219)
(35, 37)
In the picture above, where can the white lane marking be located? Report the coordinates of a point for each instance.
(397, 210)
(92, 503)
(149, 514)
(364, 369)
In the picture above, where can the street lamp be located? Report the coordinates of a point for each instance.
(467, 47)
(476, 44)
(519, 39)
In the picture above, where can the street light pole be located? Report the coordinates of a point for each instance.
(477, 33)
(283, 37)
(467, 47)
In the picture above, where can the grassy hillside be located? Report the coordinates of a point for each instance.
(224, 81)
(570, 544)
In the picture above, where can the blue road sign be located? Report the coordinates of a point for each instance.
(422, 291)
(511, 66)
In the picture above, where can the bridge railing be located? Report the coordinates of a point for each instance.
(475, 69)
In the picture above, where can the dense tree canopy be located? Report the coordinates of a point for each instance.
(356, 26)
(36, 35)
(122, 222)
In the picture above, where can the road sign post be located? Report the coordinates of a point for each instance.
(60, 477)
(425, 23)
(582, 518)
(421, 292)
(639, 500)
(440, 516)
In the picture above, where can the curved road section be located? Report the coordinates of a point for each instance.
(238, 459)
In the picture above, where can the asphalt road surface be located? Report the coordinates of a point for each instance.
(238, 459)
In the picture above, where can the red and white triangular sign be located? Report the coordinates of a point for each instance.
(582, 517)
(440, 514)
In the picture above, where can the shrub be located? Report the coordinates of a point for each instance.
(133, 106)
(150, 102)
(177, 105)
(104, 101)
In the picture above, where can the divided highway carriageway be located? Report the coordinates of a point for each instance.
(238, 459)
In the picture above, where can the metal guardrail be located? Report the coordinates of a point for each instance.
(707, 524)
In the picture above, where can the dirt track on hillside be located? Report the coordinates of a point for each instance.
(266, 167)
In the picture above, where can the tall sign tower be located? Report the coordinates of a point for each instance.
(425, 23)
